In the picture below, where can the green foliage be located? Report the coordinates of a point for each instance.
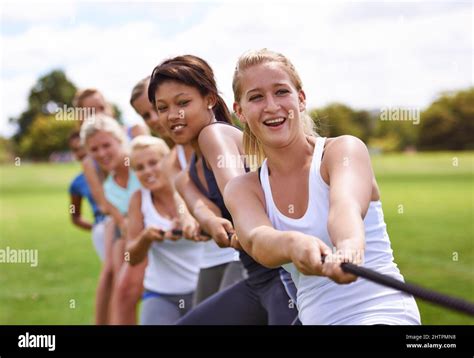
(338, 119)
(394, 135)
(6, 150)
(45, 135)
(448, 123)
(50, 91)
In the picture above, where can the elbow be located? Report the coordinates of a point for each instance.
(256, 249)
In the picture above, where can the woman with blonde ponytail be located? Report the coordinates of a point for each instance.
(313, 203)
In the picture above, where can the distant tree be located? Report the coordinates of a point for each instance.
(448, 123)
(45, 135)
(395, 135)
(338, 119)
(50, 92)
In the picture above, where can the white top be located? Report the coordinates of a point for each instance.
(173, 266)
(319, 299)
(213, 255)
(181, 156)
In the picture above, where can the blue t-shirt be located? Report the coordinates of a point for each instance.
(80, 188)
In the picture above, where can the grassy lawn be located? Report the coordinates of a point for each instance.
(428, 201)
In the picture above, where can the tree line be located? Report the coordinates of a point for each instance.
(446, 124)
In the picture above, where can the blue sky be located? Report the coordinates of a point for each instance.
(366, 54)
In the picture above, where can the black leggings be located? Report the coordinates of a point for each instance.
(272, 302)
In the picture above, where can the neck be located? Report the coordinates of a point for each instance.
(188, 151)
(194, 143)
(121, 170)
(164, 194)
(292, 157)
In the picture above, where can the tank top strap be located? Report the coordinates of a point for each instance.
(318, 152)
(194, 176)
(222, 122)
(146, 199)
(181, 156)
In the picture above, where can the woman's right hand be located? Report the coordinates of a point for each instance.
(151, 234)
(219, 229)
(306, 252)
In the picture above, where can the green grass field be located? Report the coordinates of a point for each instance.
(428, 202)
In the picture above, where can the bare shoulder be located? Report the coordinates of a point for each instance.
(344, 143)
(243, 185)
(218, 132)
(136, 198)
(342, 149)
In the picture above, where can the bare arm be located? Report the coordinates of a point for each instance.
(97, 192)
(268, 246)
(76, 202)
(222, 153)
(350, 175)
(188, 223)
(198, 205)
(139, 239)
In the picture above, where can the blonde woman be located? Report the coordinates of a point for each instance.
(311, 197)
(173, 265)
(106, 144)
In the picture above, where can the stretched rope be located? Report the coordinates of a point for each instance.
(441, 299)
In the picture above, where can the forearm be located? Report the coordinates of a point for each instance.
(138, 248)
(115, 214)
(203, 214)
(346, 226)
(269, 247)
(197, 204)
(81, 223)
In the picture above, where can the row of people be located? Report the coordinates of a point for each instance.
(293, 206)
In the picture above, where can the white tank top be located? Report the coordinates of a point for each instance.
(173, 266)
(320, 300)
(181, 156)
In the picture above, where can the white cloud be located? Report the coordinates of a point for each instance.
(40, 11)
(394, 59)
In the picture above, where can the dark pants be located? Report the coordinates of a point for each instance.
(272, 302)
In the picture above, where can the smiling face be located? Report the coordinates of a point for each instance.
(270, 104)
(106, 150)
(147, 164)
(146, 110)
(182, 110)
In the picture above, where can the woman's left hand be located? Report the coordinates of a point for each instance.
(332, 264)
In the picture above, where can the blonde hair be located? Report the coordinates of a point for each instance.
(147, 141)
(102, 122)
(252, 145)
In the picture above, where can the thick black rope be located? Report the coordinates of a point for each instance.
(441, 299)
(177, 232)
